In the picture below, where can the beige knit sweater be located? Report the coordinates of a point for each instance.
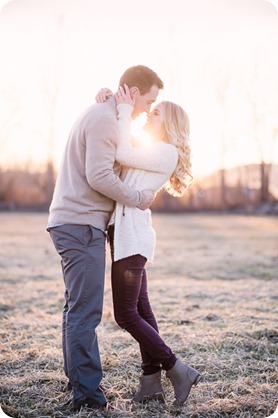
(151, 167)
(88, 184)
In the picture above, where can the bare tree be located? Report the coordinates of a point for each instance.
(10, 121)
(52, 92)
(222, 94)
(266, 154)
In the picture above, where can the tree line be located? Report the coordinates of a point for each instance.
(247, 188)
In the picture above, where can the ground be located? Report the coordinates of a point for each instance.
(213, 287)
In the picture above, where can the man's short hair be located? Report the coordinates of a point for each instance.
(141, 77)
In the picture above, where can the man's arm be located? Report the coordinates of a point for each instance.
(101, 137)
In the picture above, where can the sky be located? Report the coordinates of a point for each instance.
(217, 58)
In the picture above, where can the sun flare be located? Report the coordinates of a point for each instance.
(138, 132)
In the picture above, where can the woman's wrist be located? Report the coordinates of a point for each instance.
(124, 110)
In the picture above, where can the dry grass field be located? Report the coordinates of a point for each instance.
(214, 290)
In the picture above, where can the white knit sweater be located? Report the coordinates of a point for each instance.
(149, 168)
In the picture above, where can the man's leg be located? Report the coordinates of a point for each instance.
(82, 249)
(64, 322)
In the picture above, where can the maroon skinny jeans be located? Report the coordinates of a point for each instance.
(133, 312)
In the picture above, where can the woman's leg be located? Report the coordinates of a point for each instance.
(149, 365)
(129, 287)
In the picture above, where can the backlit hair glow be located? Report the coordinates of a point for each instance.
(176, 124)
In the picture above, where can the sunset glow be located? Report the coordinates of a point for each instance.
(218, 60)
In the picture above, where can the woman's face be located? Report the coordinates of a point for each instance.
(155, 122)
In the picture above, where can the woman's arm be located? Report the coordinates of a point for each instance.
(153, 158)
(156, 158)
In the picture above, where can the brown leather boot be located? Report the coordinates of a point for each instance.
(182, 377)
(150, 387)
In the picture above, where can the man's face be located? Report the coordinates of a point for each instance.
(143, 103)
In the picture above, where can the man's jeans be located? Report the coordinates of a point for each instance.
(82, 251)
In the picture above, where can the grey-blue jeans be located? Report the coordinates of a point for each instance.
(82, 251)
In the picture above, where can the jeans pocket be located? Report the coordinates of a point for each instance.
(93, 236)
(87, 236)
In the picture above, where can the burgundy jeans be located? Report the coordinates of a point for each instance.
(133, 312)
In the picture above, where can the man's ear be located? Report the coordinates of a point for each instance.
(134, 91)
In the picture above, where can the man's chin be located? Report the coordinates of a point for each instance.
(135, 114)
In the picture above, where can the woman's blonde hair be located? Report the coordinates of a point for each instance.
(176, 124)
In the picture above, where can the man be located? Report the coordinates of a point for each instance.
(86, 189)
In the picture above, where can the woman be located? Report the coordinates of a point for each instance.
(166, 163)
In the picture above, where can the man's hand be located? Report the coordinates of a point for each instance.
(149, 196)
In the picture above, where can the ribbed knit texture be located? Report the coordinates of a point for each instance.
(151, 166)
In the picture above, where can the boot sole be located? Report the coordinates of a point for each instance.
(198, 379)
(156, 397)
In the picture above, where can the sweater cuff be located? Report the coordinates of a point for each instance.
(124, 110)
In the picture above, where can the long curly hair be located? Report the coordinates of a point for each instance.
(176, 124)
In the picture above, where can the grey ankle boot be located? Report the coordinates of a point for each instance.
(150, 387)
(182, 377)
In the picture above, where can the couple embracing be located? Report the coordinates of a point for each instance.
(104, 188)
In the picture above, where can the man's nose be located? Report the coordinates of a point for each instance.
(148, 108)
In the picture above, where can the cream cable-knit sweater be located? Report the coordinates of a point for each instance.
(149, 168)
